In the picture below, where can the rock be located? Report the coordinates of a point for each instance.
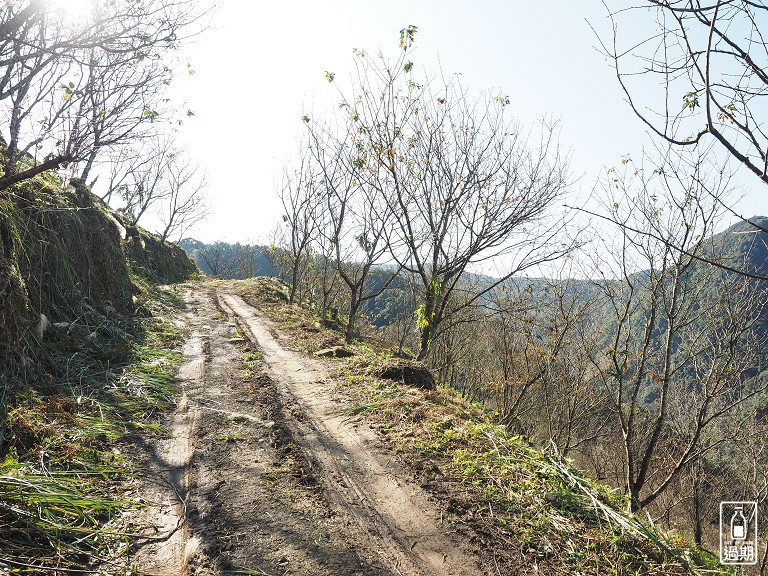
(335, 352)
(552, 498)
(409, 373)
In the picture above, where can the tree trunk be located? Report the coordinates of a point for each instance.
(294, 281)
(697, 519)
(634, 498)
(89, 166)
(427, 332)
(424, 344)
(13, 178)
(354, 305)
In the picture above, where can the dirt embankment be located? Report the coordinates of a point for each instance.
(65, 257)
(260, 472)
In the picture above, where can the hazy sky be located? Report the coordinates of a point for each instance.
(261, 66)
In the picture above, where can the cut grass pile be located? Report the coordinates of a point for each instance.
(61, 506)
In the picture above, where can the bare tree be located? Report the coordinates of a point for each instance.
(119, 165)
(302, 203)
(216, 258)
(461, 180)
(326, 277)
(276, 253)
(75, 86)
(542, 378)
(682, 336)
(184, 202)
(699, 74)
(141, 175)
(245, 259)
(358, 217)
(117, 101)
(709, 61)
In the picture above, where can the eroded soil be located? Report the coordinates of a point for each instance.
(260, 472)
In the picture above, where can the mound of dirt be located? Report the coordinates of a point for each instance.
(335, 352)
(408, 373)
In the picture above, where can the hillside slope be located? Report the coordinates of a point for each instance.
(520, 509)
(64, 253)
(86, 359)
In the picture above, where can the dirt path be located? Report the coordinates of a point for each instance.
(259, 473)
(395, 516)
(170, 466)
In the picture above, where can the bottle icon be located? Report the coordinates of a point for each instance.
(738, 524)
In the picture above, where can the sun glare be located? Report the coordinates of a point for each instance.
(72, 8)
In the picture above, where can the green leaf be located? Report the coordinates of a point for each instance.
(691, 100)
(408, 66)
(406, 36)
(329, 76)
(151, 114)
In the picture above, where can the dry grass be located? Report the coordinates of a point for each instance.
(522, 508)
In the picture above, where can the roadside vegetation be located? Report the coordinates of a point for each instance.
(520, 505)
(87, 338)
(629, 342)
(67, 469)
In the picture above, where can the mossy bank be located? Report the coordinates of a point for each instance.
(87, 340)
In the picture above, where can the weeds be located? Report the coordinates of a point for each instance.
(523, 498)
(524, 503)
(58, 506)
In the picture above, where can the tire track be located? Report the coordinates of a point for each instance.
(395, 518)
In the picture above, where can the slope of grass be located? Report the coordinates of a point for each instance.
(64, 466)
(523, 509)
(86, 358)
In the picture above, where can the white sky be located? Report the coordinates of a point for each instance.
(261, 66)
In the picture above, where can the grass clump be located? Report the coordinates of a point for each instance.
(61, 505)
(526, 506)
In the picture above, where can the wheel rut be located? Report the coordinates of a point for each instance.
(363, 481)
(166, 495)
(259, 472)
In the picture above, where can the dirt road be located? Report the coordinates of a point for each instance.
(261, 473)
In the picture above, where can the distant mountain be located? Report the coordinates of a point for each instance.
(745, 246)
(741, 246)
(230, 261)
